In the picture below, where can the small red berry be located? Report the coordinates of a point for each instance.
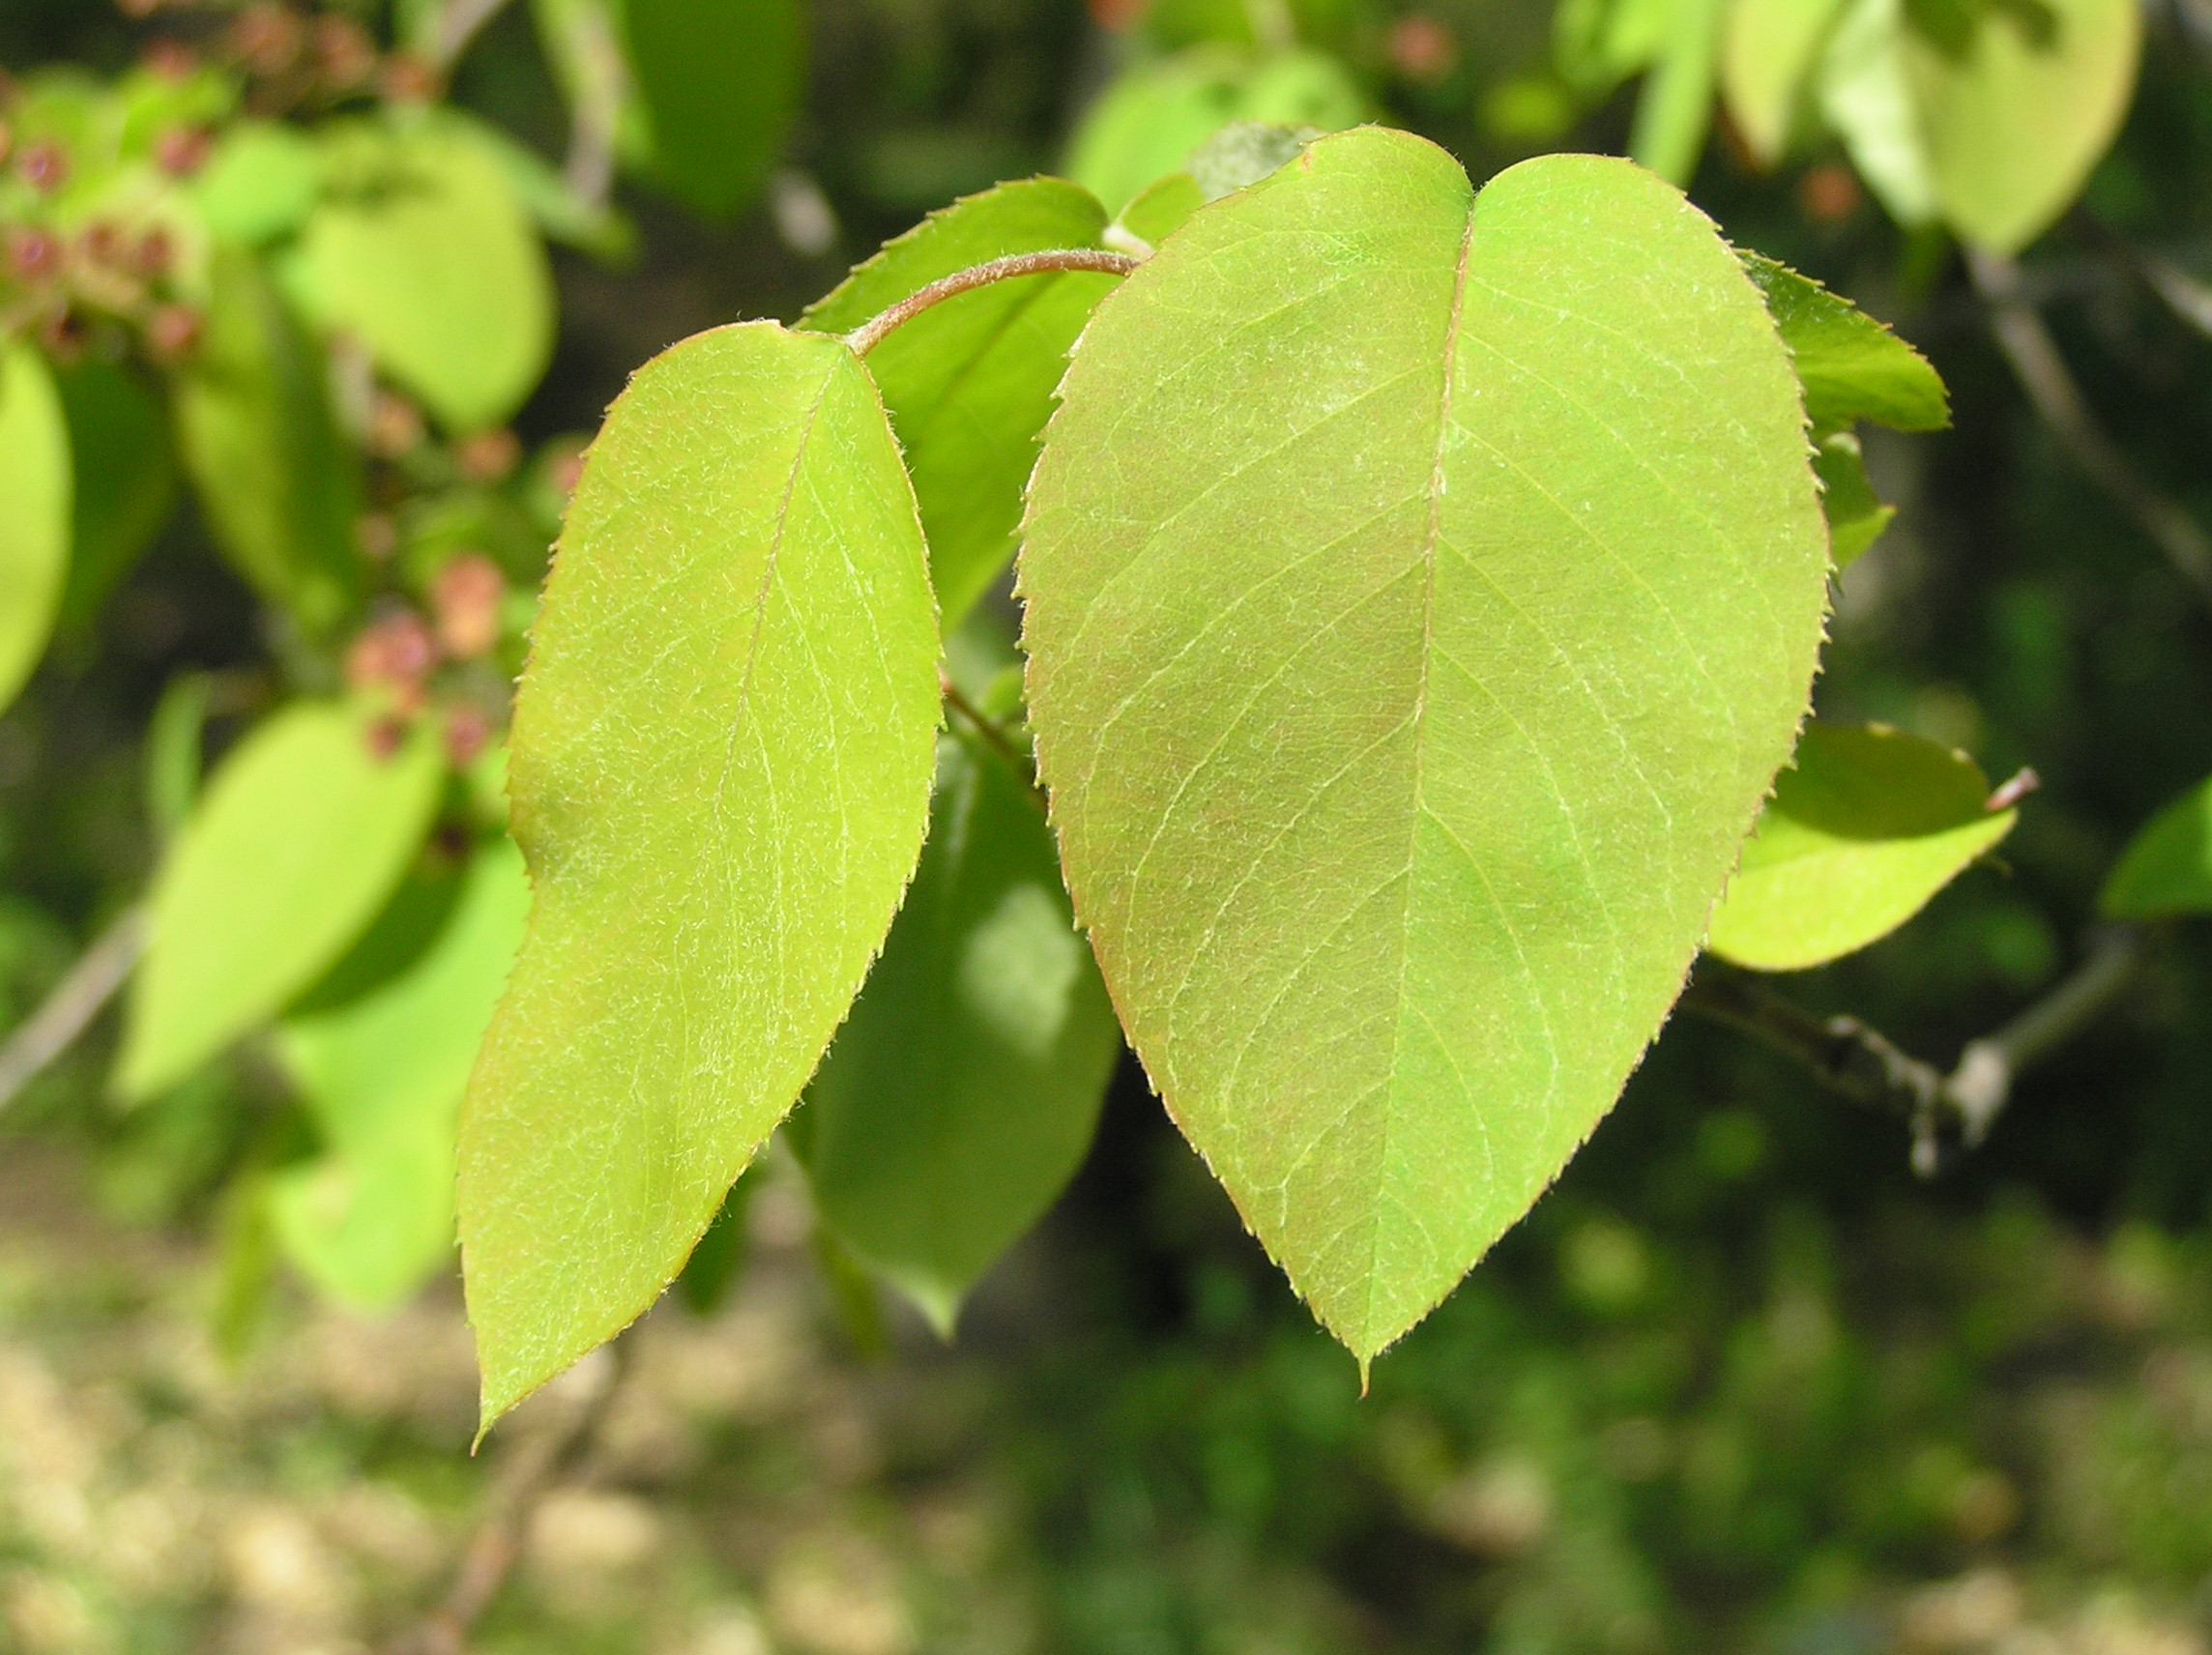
(170, 59)
(467, 733)
(466, 599)
(395, 652)
(45, 166)
(1422, 48)
(34, 255)
(489, 455)
(156, 250)
(172, 332)
(182, 150)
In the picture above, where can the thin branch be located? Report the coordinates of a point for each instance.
(992, 732)
(1860, 1063)
(77, 1000)
(460, 22)
(872, 332)
(534, 1467)
(2051, 386)
(588, 170)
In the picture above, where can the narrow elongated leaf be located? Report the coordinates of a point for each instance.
(2167, 868)
(1423, 587)
(720, 773)
(1851, 365)
(1857, 516)
(382, 1076)
(277, 484)
(35, 518)
(301, 835)
(1147, 122)
(1675, 106)
(1768, 49)
(962, 1093)
(717, 83)
(968, 383)
(420, 250)
(1863, 828)
(126, 480)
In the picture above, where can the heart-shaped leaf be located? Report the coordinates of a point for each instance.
(1424, 589)
(1865, 826)
(720, 773)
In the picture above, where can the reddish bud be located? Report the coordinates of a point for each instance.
(489, 455)
(1828, 194)
(467, 733)
(395, 652)
(34, 255)
(102, 242)
(377, 535)
(45, 166)
(267, 38)
(182, 150)
(170, 59)
(1422, 48)
(383, 737)
(156, 251)
(406, 78)
(344, 51)
(61, 333)
(466, 599)
(394, 427)
(172, 333)
(567, 471)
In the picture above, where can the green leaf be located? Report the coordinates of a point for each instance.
(717, 84)
(1851, 365)
(2167, 868)
(171, 763)
(1856, 517)
(1148, 122)
(1243, 153)
(373, 1219)
(259, 185)
(1160, 209)
(1768, 50)
(277, 484)
(420, 250)
(962, 1093)
(721, 770)
(126, 480)
(1863, 828)
(35, 522)
(1995, 131)
(1422, 593)
(968, 383)
(300, 836)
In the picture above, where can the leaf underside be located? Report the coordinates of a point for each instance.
(1864, 827)
(720, 772)
(1406, 692)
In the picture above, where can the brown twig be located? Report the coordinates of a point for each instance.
(2050, 387)
(77, 1000)
(533, 1469)
(1859, 1063)
(992, 731)
(602, 87)
(460, 22)
(873, 332)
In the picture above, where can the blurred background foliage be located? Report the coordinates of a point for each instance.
(1740, 1382)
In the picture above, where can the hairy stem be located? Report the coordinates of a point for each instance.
(873, 332)
(2050, 387)
(1861, 1063)
(77, 1000)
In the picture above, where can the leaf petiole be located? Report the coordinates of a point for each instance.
(1056, 260)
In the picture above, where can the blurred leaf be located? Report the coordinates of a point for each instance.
(1851, 365)
(2167, 868)
(1147, 122)
(717, 83)
(260, 183)
(962, 1093)
(35, 520)
(1768, 49)
(126, 480)
(968, 383)
(1856, 517)
(383, 1075)
(1396, 783)
(276, 483)
(852, 1296)
(1865, 826)
(420, 250)
(558, 212)
(172, 762)
(1675, 106)
(1161, 208)
(402, 933)
(300, 836)
(1995, 131)
(1243, 153)
(721, 759)
(245, 1266)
